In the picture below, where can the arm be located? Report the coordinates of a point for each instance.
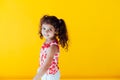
(50, 54)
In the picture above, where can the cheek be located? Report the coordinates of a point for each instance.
(42, 32)
(52, 33)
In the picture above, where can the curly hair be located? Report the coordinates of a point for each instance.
(60, 28)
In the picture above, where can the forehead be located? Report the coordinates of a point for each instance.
(47, 26)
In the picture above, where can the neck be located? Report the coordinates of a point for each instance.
(50, 40)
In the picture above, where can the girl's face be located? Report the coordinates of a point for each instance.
(48, 31)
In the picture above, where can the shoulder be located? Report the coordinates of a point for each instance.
(54, 43)
(54, 48)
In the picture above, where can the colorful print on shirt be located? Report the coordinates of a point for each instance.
(54, 64)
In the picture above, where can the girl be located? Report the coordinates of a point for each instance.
(54, 31)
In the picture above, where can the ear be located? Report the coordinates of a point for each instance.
(56, 33)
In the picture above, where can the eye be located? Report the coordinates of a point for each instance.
(43, 28)
(50, 29)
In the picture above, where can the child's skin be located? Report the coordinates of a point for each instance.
(48, 32)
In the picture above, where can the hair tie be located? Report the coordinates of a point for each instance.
(60, 21)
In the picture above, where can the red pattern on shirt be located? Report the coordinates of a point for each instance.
(54, 64)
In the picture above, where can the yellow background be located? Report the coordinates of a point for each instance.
(94, 32)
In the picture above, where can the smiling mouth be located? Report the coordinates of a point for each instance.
(46, 35)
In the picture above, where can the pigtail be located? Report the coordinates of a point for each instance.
(63, 34)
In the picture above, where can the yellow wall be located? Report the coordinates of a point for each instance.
(94, 31)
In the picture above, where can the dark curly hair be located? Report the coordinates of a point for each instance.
(60, 28)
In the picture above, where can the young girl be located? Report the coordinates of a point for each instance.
(54, 31)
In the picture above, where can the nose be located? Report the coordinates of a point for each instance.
(47, 31)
